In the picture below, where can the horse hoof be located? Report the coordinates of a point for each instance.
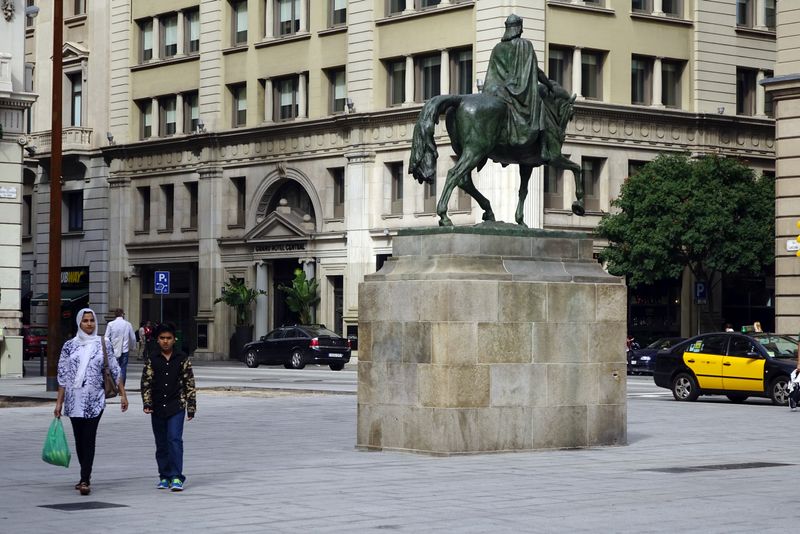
(488, 216)
(445, 222)
(522, 224)
(577, 209)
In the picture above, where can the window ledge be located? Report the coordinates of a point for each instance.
(418, 214)
(602, 10)
(764, 33)
(424, 12)
(342, 28)
(164, 231)
(392, 216)
(141, 232)
(274, 41)
(235, 49)
(27, 238)
(235, 227)
(668, 19)
(189, 229)
(334, 220)
(75, 20)
(73, 234)
(153, 63)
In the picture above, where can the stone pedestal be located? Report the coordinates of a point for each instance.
(491, 338)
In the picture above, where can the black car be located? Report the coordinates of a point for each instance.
(726, 363)
(641, 361)
(295, 346)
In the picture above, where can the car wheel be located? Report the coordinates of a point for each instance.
(336, 366)
(250, 359)
(736, 397)
(779, 391)
(297, 360)
(684, 388)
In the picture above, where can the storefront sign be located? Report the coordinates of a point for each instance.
(74, 277)
(281, 247)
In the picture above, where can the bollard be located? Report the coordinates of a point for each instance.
(42, 353)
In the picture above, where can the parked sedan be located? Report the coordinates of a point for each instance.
(32, 337)
(641, 361)
(295, 346)
(727, 363)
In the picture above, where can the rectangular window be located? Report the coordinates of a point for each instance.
(191, 112)
(146, 39)
(192, 31)
(592, 74)
(769, 14)
(239, 94)
(592, 168)
(338, 90)
(191, 192)
(744, 13)
(76, 98)
(79, 7)
(769, 103)
(169, 36)
(286, 98)
(338, 12)
(74, 204)
(27, 215)
(146, 118)
(396, 182)
(559, 66)
(429, 196)
(337, 175)
(288, 16)
(168, 115)
(745, 91)
(641, 6)
(396, 6)
(553, 188)
(397, 82)
(641, 80)
(461, 72)
(29, 20)
(240, 190)
(239, 9)
(671, 8)
(168, 194)
(144, 208)
(634, 166)
(464, 201)
(429, 70)
(422, 4)
(671, 83)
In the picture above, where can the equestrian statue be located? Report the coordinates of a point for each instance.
(519, 117)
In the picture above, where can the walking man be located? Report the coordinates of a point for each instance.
(169, 396)
(123, 339)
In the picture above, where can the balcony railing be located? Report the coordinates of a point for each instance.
(72, 138)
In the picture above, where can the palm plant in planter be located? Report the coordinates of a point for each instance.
(302, 296)
(238, 296)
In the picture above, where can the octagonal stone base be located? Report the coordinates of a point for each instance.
(473, 340)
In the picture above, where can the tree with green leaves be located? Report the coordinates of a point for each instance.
(238, 296)
(302, 295)
(711, 214)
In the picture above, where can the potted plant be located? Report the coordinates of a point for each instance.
(302, 296)
(238, 296)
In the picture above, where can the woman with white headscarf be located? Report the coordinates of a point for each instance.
(80, 389)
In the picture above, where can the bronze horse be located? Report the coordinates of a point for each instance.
(476, 125)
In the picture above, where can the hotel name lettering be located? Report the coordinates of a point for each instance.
(281, 247)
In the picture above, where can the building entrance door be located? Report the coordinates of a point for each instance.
(282, 276)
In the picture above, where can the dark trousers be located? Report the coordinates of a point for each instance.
(168, 432)
(85, 431)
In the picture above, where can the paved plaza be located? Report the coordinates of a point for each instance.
(267, 461)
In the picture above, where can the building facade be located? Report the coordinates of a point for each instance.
(248, 138)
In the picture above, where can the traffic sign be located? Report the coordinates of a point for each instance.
(161, 283)
(700, 292)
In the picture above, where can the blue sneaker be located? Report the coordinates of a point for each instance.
(177, 484)
(163, 484)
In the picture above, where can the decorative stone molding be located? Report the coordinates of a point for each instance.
(8, 10)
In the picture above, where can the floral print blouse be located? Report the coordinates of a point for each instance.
(89, 400)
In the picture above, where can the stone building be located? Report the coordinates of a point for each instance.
(247, 138)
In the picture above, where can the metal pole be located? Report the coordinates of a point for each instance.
(54, 254)
(161, 320)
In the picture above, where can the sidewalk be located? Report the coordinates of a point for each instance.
(258, 462)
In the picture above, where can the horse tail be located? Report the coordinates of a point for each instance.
(422, 163)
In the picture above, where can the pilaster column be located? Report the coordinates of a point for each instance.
(303, 15)
(658, 98)
(209, 262)
(269, 20)
(409, 81)
(359, 174)
(577, 65)
(444, 70)
(155, 118)
(761, 95)
(761, 15)
(179, 114)
(309, 267)
(156, 39)
(301, 95)
(262, 301)
(658, 7)
(268, 100)
(181, 33)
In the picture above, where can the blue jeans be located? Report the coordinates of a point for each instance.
(123, 366)
(168, 432)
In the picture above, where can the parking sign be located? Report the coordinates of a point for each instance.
(161, 283)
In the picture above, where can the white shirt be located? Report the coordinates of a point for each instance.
(120, 333)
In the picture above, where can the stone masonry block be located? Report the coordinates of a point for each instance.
(431, 299)
(400, 385)
(607, 341)
(504, 342)
(417, 340)
(521, 302)
(364, 341)
(366, 383)
(607, 425)
(387, 341)
(559, 427)
(518, 385)
(560, 343)
(497, 245)
(448, 386)
(611, 302)
(454, 343)
(476, 430)
(612, 383)
(571, 303)
(572, 384)
(472, 301)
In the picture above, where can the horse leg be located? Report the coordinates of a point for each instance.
(468, 186)
(463, 166)
(525, 172)
(562, 162)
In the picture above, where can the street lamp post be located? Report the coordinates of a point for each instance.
(54, 251)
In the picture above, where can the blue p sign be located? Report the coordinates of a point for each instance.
(161, 283)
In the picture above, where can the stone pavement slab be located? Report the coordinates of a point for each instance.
(287, 464)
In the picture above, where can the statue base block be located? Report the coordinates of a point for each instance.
(483, 339)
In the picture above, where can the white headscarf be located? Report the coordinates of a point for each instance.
(86, 342)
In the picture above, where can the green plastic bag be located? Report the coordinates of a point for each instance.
(56, 449)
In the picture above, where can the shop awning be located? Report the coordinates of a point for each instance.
(68, 296)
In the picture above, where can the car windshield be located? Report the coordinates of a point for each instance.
(319, 331)
(38, 331)
(663, 343)
(779, 346)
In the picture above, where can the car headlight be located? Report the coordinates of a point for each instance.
(645, 358)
